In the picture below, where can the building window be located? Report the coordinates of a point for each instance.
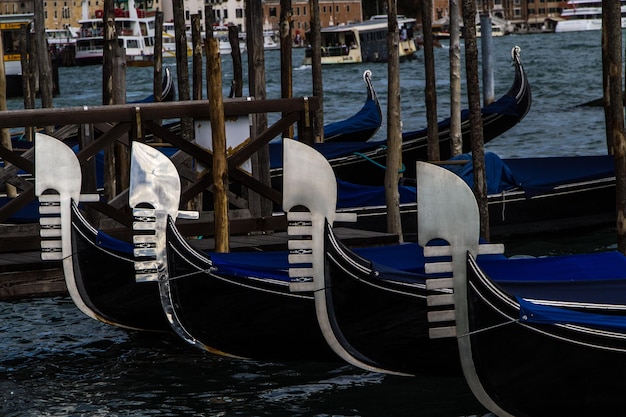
(225, 13)
(304, 9)
(272, 11)
(239, 13)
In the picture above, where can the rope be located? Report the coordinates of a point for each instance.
(367, 158)
(488, 328)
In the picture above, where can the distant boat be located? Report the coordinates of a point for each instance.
(62, 37)
(10, 29)
(169, 42)
(364, 42)
(221, 34)
(269, 41)
(582, 15)
(62, 45)
(135, 33)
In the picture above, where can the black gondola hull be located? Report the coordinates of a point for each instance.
(105, 279)
(382, 323)
(243, 317)
(540, 370)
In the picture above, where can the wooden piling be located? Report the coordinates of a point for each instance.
(286, 58)
(117, 159)
(486, 41)
(182, 66)
(28, 93)
(220, 162)
(316, 68)
(5, 135)
(614, 109)
(456, 137)
(256, 80)
(431, 82)
(157, 83)
(235, 54)
(108, 54)
(122, 151)
(196, 66)
(43, 56)
(394, 124)
(476, 124)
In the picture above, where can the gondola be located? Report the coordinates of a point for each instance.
(232, 304)
(358, 128)
(363, 125)
(526, 196)
(372, 311)
(99, 270)
(168, 90)
(240, 304)
(550, 342)
(364, 163)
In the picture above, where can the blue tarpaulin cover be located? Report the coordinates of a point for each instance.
(535, 175)
(364, 120)
(274, 265)
(536, 313)
(593, 277)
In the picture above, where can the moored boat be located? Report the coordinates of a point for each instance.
(364, 163)
(10, 25)
(525, 196)
(230, 304)
(134, 31)
(364, 42)
(361, 126)
(536, 337)
(582, 15)
(169, 42)
(98, 270)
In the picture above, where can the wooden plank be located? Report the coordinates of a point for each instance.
(151, 111)
(38, 283)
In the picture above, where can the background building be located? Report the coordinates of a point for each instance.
(332, 13)
(522, 15)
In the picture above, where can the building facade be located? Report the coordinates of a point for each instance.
(523, 15)
(332, 13)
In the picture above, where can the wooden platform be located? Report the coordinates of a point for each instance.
(24, 275)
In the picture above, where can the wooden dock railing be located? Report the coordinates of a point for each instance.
(144, 122)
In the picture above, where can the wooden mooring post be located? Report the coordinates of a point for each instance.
(394, 125)
(218, 130)
(614, 109)
(286, 61)
(476, 124)
(157, 86)
(316, 67)
(431, 82)
(456, 137)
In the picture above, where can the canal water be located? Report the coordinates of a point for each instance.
(56, 362)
